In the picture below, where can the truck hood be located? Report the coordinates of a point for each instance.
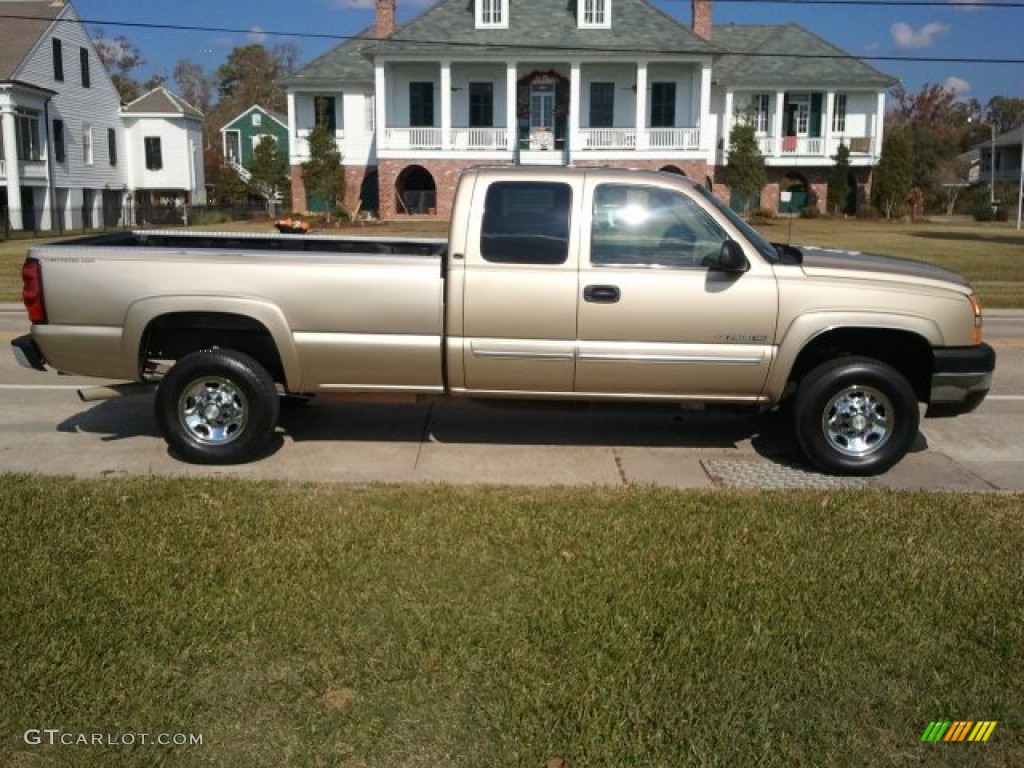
(823, 262)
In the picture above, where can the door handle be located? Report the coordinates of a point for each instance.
(601, 294)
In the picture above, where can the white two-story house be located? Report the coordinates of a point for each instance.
(68, 154)
(592, 82)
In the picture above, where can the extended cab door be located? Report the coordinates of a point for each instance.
(655, 317)
(517, 286)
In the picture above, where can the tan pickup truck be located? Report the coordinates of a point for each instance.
(568, 283)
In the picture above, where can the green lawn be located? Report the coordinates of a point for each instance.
(991, 255)
(307, 625)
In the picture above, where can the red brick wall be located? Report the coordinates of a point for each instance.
(702, 18)
(354, 175)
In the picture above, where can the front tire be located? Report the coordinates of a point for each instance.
(217, 407)
(855, 416)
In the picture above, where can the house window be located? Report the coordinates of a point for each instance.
(154, 155)
(663, 105)
(421, 105)
(759, 104)
(324, 113)
(602, 105)
(83, 58)
(839, 114)
(87, 150)
(58, 60)
(26, 125)
(112, 145)
(481, 105)
(595, 13)
(492, 14)
(257, 119)
(59, 152)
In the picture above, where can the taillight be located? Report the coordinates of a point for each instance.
(32, 291)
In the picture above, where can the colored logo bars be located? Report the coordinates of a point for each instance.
(959, 730)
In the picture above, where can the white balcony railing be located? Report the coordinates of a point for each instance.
(813, 146)
(479, 138)
(412, 138)
(608, 138)
(33, 169)
(673, 138)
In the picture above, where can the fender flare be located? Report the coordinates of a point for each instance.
(143, 312)
(812, 325)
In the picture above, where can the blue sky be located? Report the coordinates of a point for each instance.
(889, 29)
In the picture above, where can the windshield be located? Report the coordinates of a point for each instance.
(756, 239)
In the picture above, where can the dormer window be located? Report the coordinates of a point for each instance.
(594, 14)
(492, 14)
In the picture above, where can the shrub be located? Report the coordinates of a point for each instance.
(810, 212)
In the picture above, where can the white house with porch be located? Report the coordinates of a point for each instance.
(598, 82)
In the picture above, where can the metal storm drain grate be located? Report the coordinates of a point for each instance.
(761, 473)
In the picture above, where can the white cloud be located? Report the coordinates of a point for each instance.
(345, 5)
(957, 85)
(257, 35)
(969, 5)
(906, 36)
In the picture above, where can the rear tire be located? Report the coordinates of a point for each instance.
(217, 407)
(855, 416)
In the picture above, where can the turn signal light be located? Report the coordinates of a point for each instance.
(976, 306)
(32, 291)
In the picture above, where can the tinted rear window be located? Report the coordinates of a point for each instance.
(526, 222)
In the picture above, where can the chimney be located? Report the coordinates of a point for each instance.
(384, 18)
(702, 18)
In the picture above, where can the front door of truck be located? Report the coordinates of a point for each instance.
(655, 317)
(519, 289)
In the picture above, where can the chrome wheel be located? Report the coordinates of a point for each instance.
(858, 420)
(213, 410)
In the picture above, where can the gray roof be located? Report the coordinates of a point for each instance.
(537, 28)
(19, 35)
(345, 63)
(160, 101)
(784, 56)
(541, 29)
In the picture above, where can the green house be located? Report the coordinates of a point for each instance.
(241, 136)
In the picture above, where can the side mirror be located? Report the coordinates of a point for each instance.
(732, 259)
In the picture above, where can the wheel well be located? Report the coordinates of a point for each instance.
(172, 336)
(907, 352)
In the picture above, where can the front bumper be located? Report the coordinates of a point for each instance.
(961, 379)
(27, 353)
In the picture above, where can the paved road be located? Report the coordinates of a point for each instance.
(44, 428)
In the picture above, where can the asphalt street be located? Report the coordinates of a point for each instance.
(44, 428)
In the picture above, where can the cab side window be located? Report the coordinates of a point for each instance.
(652, 227)
(526, 222)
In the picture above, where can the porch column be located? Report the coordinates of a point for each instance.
(705, 140)
(511, 120)
(11, 166)
(727, 120)
(293, 133)
(379, 102)
(780, 106)
(879, 120)
(827, 119)
(574, 105)
(641, 105)
(446, 104)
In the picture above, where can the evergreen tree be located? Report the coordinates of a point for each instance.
(745, 169)
(323, 175)
(894, 176)
(838, 181)
(269, 169)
